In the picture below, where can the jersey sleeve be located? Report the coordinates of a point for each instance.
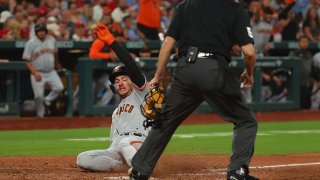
(242, 29)
(143, 87)
(134, 71)
(27, 52)
(176, 23)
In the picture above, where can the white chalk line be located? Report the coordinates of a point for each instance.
(215, 134)
(123, 177)
(115, 177)
(223, 171)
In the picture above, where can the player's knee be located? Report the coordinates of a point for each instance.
(59, 88)
(38, 97)
(82, 160)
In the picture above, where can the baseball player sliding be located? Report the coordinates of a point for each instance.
(40, 54)
(127, 130)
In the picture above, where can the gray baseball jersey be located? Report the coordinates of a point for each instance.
(41, 53)
(127, 116)
(126, 120)
(41, 56)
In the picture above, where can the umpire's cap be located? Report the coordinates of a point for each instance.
(118, 71)
(40, 27)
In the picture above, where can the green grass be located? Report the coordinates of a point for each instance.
(273, 138)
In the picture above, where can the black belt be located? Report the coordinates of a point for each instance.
(132, 133)
(203, 54)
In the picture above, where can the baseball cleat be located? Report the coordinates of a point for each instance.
(47, 102)
(135, 175)
(240, 174)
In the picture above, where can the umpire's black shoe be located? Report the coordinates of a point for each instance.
(240, 174)
(135, 175)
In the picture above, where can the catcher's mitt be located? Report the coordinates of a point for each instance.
(151, 106)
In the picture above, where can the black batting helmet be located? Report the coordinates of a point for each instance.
(117, 71)
(40, 27)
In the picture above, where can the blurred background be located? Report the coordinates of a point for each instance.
(286, 35)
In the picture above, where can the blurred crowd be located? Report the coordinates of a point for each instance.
(75, 19)
(272, 20)
(131, 20)
(283, 20)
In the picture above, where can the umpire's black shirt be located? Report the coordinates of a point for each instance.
(215, 28)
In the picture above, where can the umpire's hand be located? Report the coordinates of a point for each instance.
(154, 82)
(246, 80)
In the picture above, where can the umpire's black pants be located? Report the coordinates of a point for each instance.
(206, 79)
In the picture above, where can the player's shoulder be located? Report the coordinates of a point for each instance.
(141, 91)
(32, 40)
(50, 38)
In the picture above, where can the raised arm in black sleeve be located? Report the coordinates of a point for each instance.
(134, 71)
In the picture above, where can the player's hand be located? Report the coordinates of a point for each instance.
(246, 80)
(37, 76)
(104, 34)
(58, 67)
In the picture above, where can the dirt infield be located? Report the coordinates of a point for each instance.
(169, 167)
(297, 166)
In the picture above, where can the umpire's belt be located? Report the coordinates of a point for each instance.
(205, 55)
(132, 134)
(218, 57)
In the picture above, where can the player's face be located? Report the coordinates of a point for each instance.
(303, 43)
(124, 85)
(41, 35)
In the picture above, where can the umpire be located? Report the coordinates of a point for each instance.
(206, 30)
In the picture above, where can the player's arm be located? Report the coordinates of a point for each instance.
(33, 71)
(134, 71)
(56, 57)
(97, 53)
(27, 57)
(31, 68)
